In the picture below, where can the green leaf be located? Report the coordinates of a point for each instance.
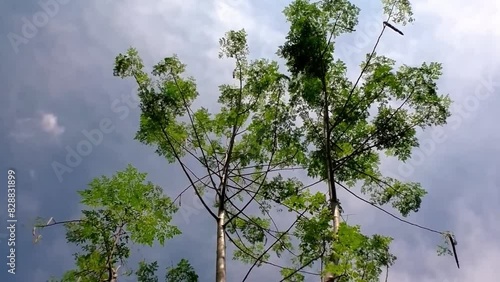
(182, 272)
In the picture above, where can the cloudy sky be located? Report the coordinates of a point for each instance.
(57, 86)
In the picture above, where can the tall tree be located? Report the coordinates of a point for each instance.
(252, 136)
(349, 124)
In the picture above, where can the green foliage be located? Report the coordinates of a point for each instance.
(122, 209)
(405, 197)
(146, 272)
(405, 99)
(306, 48)
(269, 122)
(292, 275)
(359, 257)
(253, 133)
(402, 12)
(183, 272)
(125, 199)
(379, 114)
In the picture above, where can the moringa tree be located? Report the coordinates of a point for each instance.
(349, 124)
(250, 138)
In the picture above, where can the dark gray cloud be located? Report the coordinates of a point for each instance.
(58, 86)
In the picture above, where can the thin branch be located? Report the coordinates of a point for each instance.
(379, 94)
(256, 192)
(275, 242)
(201, 162)
(274, 170)
(359, 150)
(311, 185)
(290, 208)
(305, 265)
(364, 68)
(58, 222)
(252, 181)
(187, 188)
(188, 110)
(265, 262)
(267, 230)
(177, 157)
(183, 166)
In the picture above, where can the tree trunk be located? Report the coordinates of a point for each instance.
(334, 204)
(220, 267)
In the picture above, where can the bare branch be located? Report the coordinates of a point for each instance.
(275, 242)
(266, 262)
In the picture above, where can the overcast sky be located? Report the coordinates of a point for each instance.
(57, 84)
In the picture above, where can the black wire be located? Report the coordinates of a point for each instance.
(389, 213)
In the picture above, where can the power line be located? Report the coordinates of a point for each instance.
(389, 213)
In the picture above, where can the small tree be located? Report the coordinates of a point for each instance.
(123, 209)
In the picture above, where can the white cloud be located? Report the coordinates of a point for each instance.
(50, 125)
(45, 125)
(462, 34)
(462, 19)
(234, 15)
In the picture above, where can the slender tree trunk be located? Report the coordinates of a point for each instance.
(220, 268)
(334, 204)
(220, 261)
